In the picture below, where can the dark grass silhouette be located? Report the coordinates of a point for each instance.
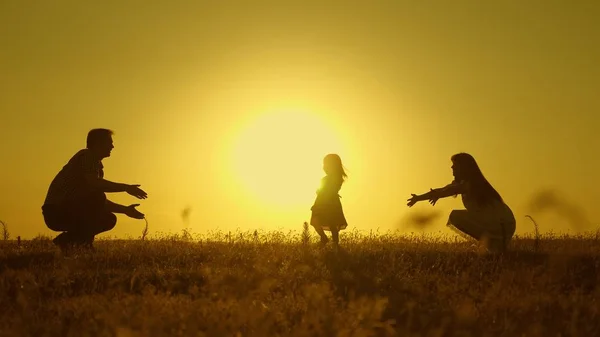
(277, 284)
(5, 231)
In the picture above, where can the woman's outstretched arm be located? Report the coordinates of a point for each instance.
(438, 193)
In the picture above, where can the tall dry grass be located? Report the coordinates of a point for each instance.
(282, 284)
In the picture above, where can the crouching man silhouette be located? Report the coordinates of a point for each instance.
(76, 204)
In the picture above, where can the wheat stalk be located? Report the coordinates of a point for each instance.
(305, 234)
(145, 230)
(537, 233)
(5, 232)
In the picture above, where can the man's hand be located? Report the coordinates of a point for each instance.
(136, 191)
(131, 212)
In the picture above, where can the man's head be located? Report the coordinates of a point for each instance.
(100, 142)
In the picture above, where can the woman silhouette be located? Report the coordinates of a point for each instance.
(486, 217)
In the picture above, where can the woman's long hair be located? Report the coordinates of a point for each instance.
(334, 162)
(468, 171)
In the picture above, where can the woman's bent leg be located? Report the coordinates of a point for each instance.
(462, 221)
(491, 232)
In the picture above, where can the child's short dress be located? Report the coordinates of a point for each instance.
(494, 222)
(327, 207)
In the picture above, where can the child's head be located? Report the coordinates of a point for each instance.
(332, 165)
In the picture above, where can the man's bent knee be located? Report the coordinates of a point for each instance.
(111, 221)
(105, 223)
(56, 218)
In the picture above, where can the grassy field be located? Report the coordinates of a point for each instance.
(277, 284)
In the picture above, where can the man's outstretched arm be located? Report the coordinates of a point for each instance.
(130, 210)
(109, 186)
(113, 207)
(105, 185)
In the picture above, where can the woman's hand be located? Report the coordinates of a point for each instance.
(433, 198)
(413, 200)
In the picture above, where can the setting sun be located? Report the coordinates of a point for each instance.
(277, 158)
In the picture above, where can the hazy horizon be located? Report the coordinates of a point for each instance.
(229, 108)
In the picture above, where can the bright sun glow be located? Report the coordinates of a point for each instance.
(278, 157)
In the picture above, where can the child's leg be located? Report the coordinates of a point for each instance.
(335, 236)
(314, 221)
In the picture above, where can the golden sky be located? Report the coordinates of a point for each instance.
(229, 106)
